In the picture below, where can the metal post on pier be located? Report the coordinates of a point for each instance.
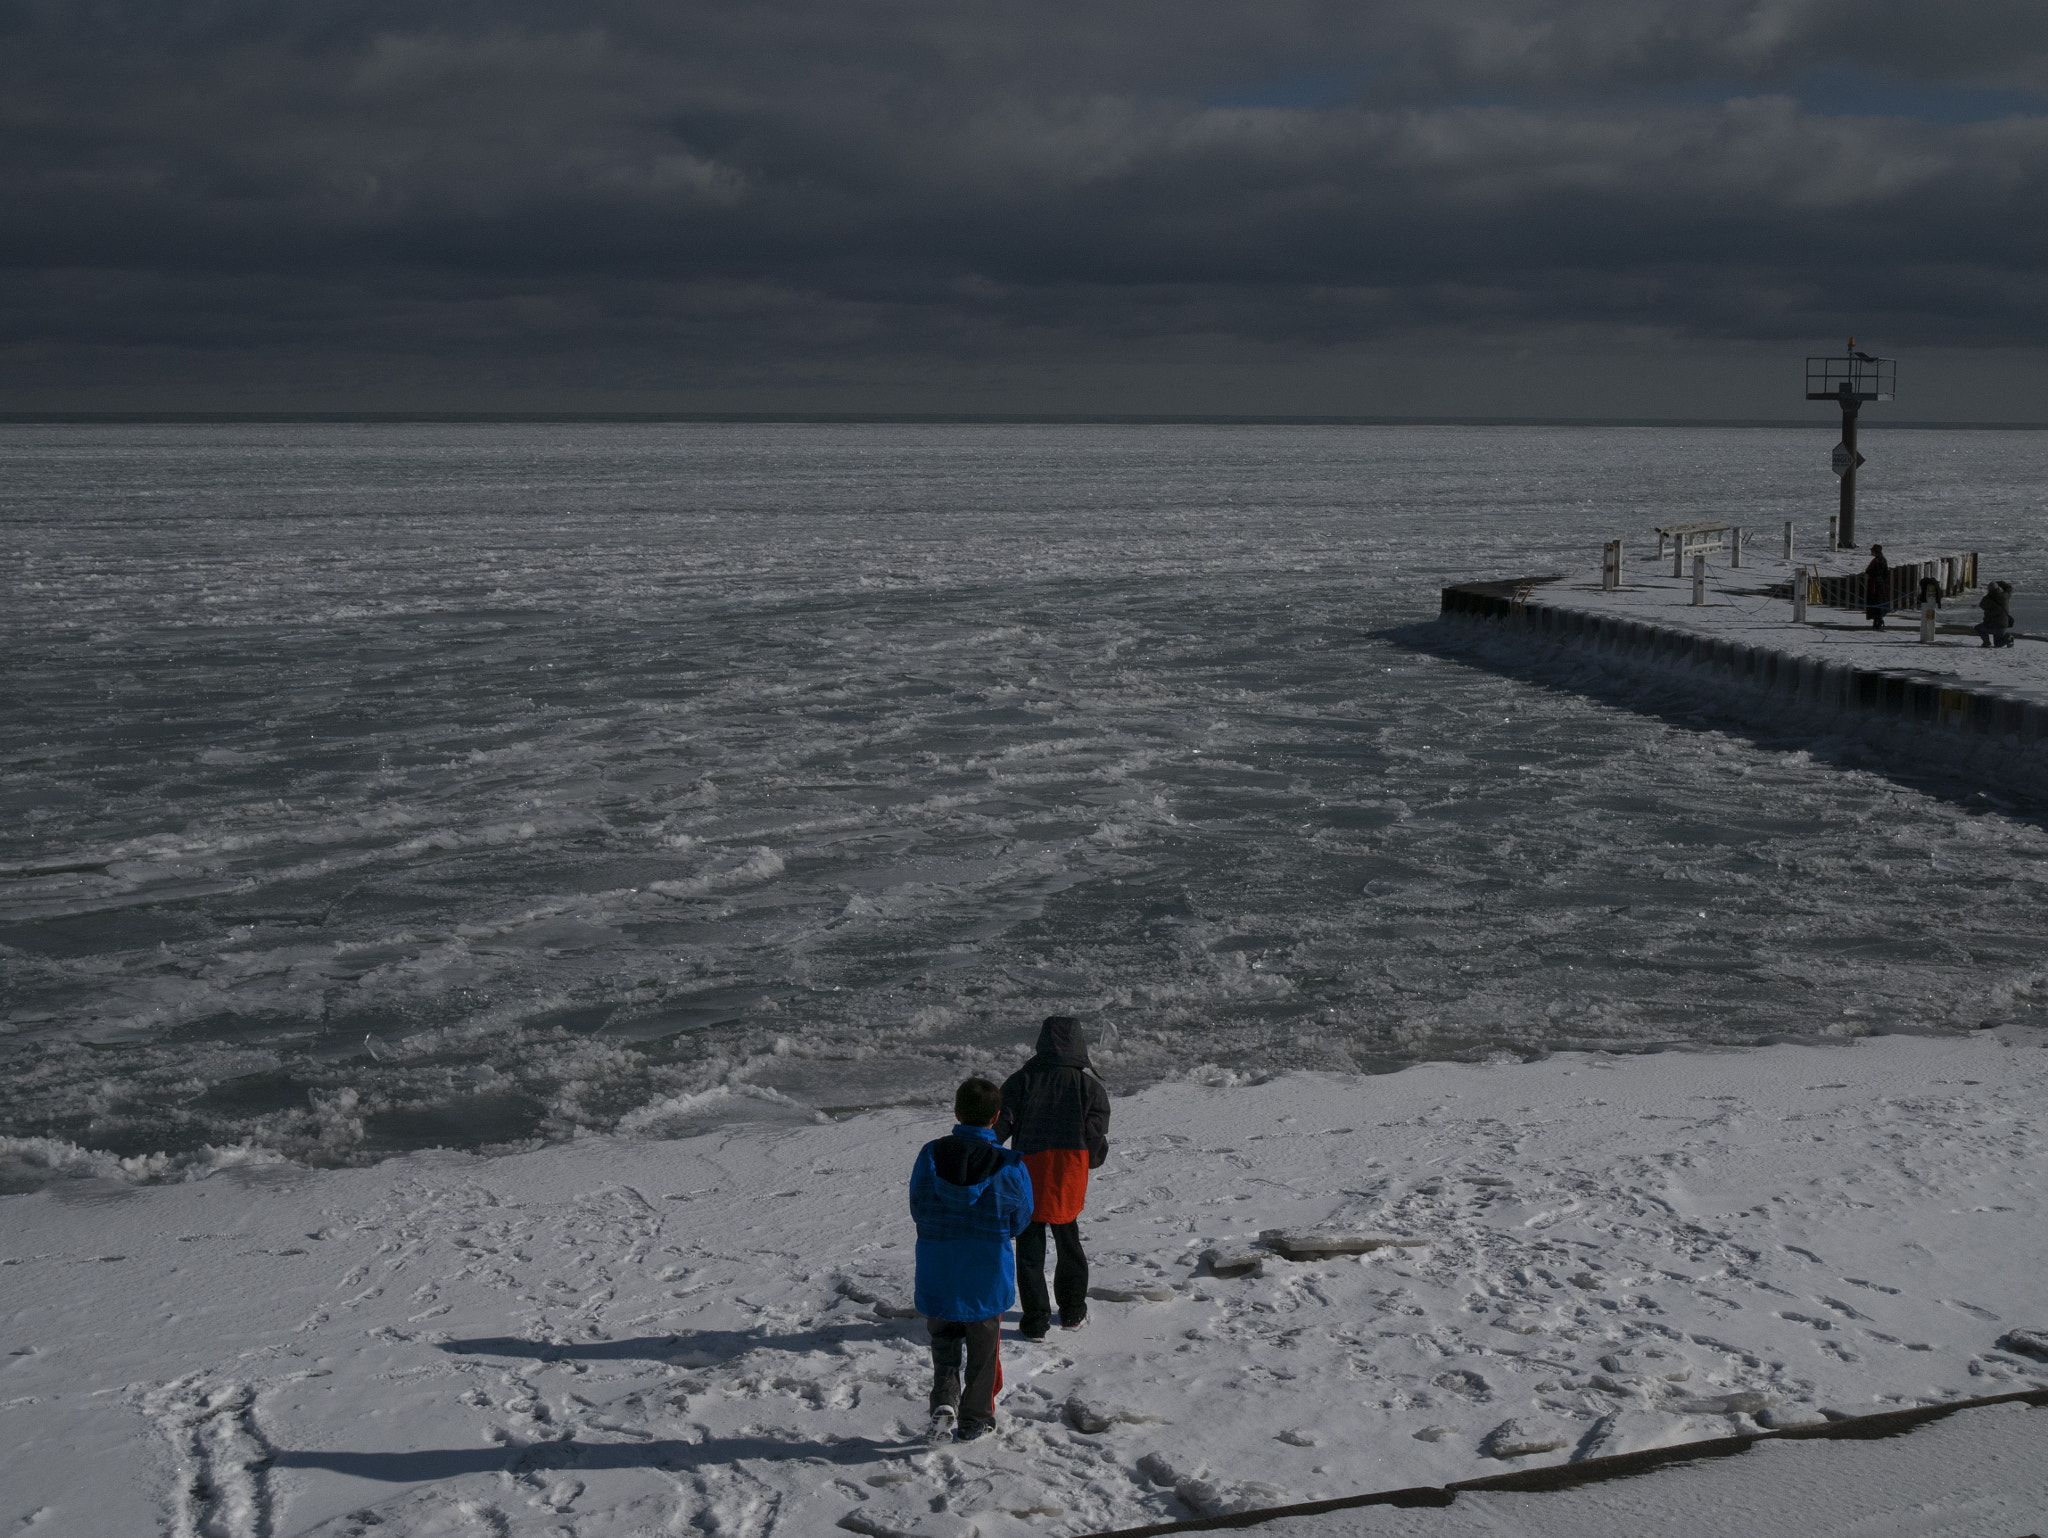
(1610, 567)
(1799, 581)
(1849, 381)
(1699, 581)
(1678, 555)
(1834, 531)
(1735, 545)
(1788, 539)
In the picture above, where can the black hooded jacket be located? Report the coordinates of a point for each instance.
(1055, 1100)
(1997, 606)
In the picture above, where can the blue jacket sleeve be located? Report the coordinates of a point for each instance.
(1019, 1180)
(920, 1186)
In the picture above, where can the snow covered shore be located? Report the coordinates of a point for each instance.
(633, 1336)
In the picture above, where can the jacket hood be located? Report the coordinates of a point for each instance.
(970, 1157)
(962, 1180)
(1059, 1042)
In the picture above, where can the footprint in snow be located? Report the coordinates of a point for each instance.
(1971, 1308)
(1469, 1384)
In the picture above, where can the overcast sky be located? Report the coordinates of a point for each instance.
(1609, 207)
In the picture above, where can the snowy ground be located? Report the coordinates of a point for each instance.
(624, 1336)
(1736, 607)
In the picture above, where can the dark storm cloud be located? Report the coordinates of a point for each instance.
(640, 195)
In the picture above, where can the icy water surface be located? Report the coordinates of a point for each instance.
(376, 787)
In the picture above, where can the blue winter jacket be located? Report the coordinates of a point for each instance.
(970, 1197)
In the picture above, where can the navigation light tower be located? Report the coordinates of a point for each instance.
(1849, 381)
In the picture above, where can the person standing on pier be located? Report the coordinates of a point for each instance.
(1056, 1114)
(1877, 588)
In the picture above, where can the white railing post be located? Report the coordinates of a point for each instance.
(1699, 581)
(1788, 539)
(1678, 556)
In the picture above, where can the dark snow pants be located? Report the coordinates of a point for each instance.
(1069, 1276)
(977, 1342)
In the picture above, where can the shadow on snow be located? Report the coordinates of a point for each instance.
(669, 1454)
(697, 1348)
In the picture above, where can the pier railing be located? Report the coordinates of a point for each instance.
(1957, 574)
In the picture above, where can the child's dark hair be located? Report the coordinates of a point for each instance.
(976, 1102)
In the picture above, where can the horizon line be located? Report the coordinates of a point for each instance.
(949, 418)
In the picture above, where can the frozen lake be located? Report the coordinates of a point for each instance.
(377, 787)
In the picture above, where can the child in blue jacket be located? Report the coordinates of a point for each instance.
(970, 1197)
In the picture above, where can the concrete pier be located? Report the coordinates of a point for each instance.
(1947, 701)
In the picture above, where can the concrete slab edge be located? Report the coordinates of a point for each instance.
(1939, 715)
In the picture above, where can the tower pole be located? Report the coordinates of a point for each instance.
(1850, 406)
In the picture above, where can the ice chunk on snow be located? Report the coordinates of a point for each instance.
(1747, 1401)
(1233, 1260)
(1208, 1499)
(1086, 1413)
(1158, 1468)
(1623, 1385)
(1512, 1439)
(2026, 1342)
(1649, 1362)
(1633, 1428)
(1782, 1417)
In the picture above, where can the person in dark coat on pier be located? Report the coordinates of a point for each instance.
(1056, 1114)
(1877, 588)
(1997, 606)
(970, 1198)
